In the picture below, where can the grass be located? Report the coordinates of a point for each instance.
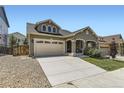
(107, 64)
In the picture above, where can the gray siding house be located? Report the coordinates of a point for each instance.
(3, 27)
(20, 38)
(46, 38)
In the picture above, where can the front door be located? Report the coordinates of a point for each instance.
(69, 46)
(79, 46)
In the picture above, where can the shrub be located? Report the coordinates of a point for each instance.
(93, 52)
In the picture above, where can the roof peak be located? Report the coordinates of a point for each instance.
(17, 33)
(112, 35)
(37, 23)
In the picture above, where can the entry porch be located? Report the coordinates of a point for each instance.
(77, 47)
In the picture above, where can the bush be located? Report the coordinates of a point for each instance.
(92, 52)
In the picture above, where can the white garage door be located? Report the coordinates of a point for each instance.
(44, 47)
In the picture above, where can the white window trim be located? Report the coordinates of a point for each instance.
(51, 29)
(42, 27)
(57, 31)
(55, 28)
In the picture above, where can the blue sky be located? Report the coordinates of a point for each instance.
(104, 20)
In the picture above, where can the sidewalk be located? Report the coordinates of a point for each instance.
(121, 58)
(112, 79)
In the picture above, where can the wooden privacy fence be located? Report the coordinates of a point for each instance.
(20, 50)
(122, 49)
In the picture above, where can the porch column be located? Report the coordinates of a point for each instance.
(84, 45)
(73, 47)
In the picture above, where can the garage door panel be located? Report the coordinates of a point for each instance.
(49, 49)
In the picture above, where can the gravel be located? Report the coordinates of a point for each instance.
(21, 72)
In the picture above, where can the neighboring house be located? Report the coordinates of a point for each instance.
(20, 38)
(105, 41)
(46, 38)
(3, 27)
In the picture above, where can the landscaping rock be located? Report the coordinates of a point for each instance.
(21, 72)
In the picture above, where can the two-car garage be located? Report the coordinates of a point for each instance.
(47, 47)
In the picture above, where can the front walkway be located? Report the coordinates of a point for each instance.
(65, 69)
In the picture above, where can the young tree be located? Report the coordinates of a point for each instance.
(113, 49)
(25, 41)
(12, 42)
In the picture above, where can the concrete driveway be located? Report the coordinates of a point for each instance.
(64, 69)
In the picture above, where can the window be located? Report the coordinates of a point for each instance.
(49, 28)
(44, 28)
(47, 42)
(39, 42)
(60, 42)
(54, 42)
(54, 29)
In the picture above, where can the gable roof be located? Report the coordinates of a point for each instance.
(116, 35)
(108, 39)
(31, 30)
(47, 21)
(81, 30)
(17, 33)
(63, 33)
(3, 15)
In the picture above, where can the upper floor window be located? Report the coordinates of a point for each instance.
(49, 28)
(44, 28)
(54, 29)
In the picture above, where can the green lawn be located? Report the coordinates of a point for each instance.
(106, 64)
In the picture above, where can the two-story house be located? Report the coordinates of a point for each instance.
(3, 27)
(46, 38)
(20, 38)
